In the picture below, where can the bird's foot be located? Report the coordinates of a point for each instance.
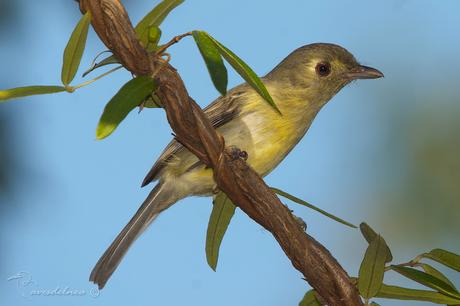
(237, 153)
(299, 220)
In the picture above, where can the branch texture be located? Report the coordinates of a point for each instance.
(232, 174)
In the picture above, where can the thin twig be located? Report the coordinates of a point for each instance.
(173, 41)
(413, 263)
(96, 78)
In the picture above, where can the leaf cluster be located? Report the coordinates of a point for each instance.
(377, 261)
(140, 91)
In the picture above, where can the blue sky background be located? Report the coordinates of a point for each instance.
(70, 194)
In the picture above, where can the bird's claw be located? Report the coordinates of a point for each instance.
(236, 153)
(301, 222)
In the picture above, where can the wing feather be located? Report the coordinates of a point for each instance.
(219, 112)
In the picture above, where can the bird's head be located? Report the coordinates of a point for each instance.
(320, 70)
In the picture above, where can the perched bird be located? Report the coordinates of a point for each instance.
(300, 86)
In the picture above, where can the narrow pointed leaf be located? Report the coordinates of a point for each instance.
(154, 18)
(374, 304)
(310, 299)
(213, 61)
(245, 72)
(222, 212)
(427, 280)
(400, 293)
(436, 273)
(20, 92)
(125, 100)
(74, 49)
(369, 234)
(444, 257)
(372, 268)
(304, 203)
(106, 61)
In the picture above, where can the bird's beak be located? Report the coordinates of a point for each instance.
(364, 72)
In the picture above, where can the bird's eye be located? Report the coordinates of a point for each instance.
(323, 69)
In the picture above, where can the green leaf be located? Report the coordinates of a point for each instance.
(374, 304)
(74, 49)
(153, 38)
(213, 61)
(302, 202)
(19, 92)
(427, 280)
(400, 293)
(222, 212)
(372, 268)
(244, 71)
(444, 257)
(369, 234)
(436, 273)
(310, 299)
(154, 18)
(152, 101)
(124, 101)
(106, 61)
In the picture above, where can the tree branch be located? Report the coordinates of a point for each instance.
(232, 174)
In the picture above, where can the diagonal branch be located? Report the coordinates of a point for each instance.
(233, 176)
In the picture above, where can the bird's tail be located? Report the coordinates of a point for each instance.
(159, 199)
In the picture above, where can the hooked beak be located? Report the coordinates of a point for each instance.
(364, 72)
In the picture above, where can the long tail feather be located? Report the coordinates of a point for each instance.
(158, 200)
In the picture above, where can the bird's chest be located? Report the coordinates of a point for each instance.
(267, 137)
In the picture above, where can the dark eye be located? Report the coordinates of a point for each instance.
(323, 69)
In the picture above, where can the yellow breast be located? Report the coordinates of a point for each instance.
(259, 130)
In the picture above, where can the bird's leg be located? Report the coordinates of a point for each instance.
(236, 153)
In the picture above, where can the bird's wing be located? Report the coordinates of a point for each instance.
(219, 112)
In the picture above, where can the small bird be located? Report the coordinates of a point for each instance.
(300, 86)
